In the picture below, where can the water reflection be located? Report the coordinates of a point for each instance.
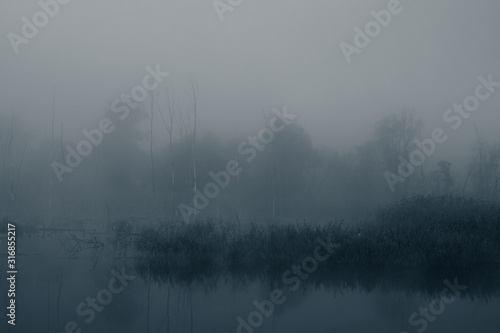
(204, 299)
(483, 282)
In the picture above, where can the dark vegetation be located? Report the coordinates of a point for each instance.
(411, 245)
(436, 236)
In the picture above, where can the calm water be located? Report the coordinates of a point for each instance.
(52, 284)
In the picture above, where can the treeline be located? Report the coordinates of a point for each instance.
(139, 170)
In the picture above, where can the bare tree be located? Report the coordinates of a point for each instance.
(149, 109)
(62, 183)
(151, 118)
(51, 197)
(169, 126)
(275, 172)
(194, 101)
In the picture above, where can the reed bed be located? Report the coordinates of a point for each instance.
(419, 232)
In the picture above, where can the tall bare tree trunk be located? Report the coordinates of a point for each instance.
(62, 183)
(95, 183)
(152, 141)
(194, 100)
(51, 197)
(170, 129)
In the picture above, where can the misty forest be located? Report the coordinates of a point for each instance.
(192, 185)
(140, 171)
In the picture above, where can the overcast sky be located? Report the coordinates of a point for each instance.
(264, 54)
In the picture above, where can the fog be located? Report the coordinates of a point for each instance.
(427, 59)
(261, 56)
(245, 166)
(245, 62)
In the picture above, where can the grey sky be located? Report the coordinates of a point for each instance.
(264, 54)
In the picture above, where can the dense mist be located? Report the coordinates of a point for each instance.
(245, 166)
